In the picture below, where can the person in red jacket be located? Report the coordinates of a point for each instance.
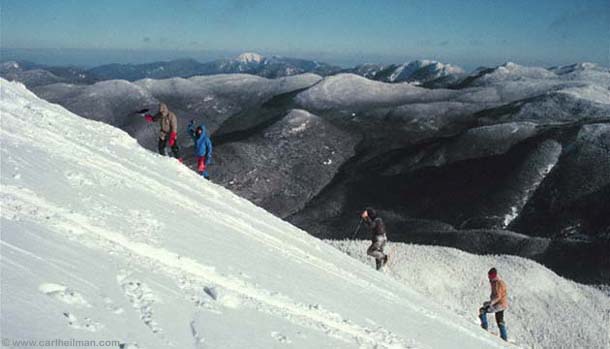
(498, 302)
(169, 130)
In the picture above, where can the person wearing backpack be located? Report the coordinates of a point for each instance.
(168, 132)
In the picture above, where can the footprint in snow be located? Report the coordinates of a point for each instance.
(144, 227)
(280, 338)
(225, 299)
(77, 179)
(142, 299)
(63, 294)
(87, 324)
(196, 336)
(110, 306)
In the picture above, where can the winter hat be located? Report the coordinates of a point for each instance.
(163, 107)
(492, 273)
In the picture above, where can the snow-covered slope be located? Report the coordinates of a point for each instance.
(102, 239)
(545, 311)
(513, 72)
(420, 71)
(248, 62)
(353, 92)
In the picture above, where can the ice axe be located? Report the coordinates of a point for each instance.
(141, 111)
(357, 229)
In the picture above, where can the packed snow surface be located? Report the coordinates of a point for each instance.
(102, 239)
(545, 310)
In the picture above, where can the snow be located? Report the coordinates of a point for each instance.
(505, 84)
(299, 121)
(226, 84)
(592, 93)
(509, 217)
(578, 67)
(102, 239)
(353, 92)
(545, 310)
(10, 65)
(250, 57)
(434, 70)
(512, 71)
(482, 141)
(529, 176)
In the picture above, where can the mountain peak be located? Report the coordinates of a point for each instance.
(8, 65)
(250, 57)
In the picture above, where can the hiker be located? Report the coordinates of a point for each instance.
(168, 132)
(203, 148)
(498, 302)
(377, 228)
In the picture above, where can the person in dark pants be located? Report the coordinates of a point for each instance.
(498, 302)
(377, 228)
(168, 131)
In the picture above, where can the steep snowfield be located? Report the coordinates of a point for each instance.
(545, 311)
(102, 239)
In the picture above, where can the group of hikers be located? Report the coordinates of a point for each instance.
(498, 300)
(168, 135)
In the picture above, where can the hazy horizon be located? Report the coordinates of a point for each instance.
(469, 33)
(89, 58)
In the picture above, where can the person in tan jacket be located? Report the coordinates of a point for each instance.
(498, 302)
(169, 130)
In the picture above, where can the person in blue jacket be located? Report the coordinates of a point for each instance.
(203, 147)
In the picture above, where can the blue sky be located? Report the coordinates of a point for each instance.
(467, 32)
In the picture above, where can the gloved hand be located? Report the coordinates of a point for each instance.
(148, 118)
(172, 139)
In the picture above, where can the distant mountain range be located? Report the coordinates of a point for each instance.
(246, 63)
(425, 72)
(32, 74)
(419, 72)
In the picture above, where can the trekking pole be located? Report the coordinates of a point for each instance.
(141, 111)
(357, 229)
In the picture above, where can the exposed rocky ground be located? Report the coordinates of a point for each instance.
(509, 159)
